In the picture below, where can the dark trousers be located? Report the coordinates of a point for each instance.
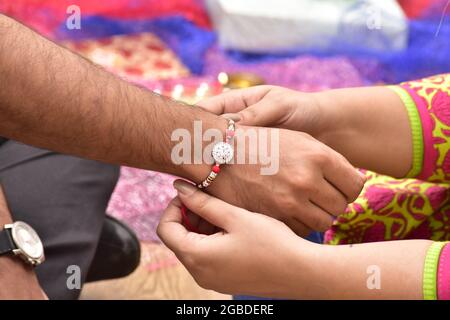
(64, 198)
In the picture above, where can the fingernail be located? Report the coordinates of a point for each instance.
(184, 187)
(236, 117)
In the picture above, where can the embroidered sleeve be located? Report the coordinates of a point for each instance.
(428, 104)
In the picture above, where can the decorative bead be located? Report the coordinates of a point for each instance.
(216, 169)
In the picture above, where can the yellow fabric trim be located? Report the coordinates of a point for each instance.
(430, 270)
(416, 130)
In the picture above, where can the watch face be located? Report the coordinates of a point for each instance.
(222, 152)
(27, 240)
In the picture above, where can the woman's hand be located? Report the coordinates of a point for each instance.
(250, 255)
(369, 126)
(269, 106)
(256, 255)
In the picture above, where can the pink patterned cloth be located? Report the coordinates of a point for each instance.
(140, 198)
(432, 98)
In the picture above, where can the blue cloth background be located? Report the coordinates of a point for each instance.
(428, 49)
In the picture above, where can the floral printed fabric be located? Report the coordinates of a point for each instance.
(395, 209)
(432, 98)
(136, 57)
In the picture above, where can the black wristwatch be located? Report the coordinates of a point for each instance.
(22, 240)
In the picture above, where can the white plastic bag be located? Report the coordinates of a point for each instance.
(283, 25)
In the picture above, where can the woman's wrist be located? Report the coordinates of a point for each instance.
(378, 270)
(359, 123)
(389, 270)
(312, 113)
(307, 263)
(335, 120)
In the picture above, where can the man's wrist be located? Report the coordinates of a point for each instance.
(197, 172)
(5, 215)
(17, 278)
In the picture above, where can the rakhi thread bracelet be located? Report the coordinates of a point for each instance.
(185, 219)
(222, 153)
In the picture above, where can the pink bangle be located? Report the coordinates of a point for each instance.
(443, 276)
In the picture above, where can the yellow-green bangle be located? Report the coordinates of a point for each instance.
(430, 270)
(416, 130)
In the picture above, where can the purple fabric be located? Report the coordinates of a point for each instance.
(307, 73)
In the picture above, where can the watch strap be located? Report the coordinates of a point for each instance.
(6, 242)
(2, 140)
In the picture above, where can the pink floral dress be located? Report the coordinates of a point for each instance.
(418, 206)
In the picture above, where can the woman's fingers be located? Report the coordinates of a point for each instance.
(170, 228)
(213, 210)
(234, 101)
(203, 226)
(261, 114)
(216, 212)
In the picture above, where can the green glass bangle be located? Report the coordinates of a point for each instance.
(416, 130)
(430, 270)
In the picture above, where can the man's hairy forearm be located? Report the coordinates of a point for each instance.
(55, 99)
